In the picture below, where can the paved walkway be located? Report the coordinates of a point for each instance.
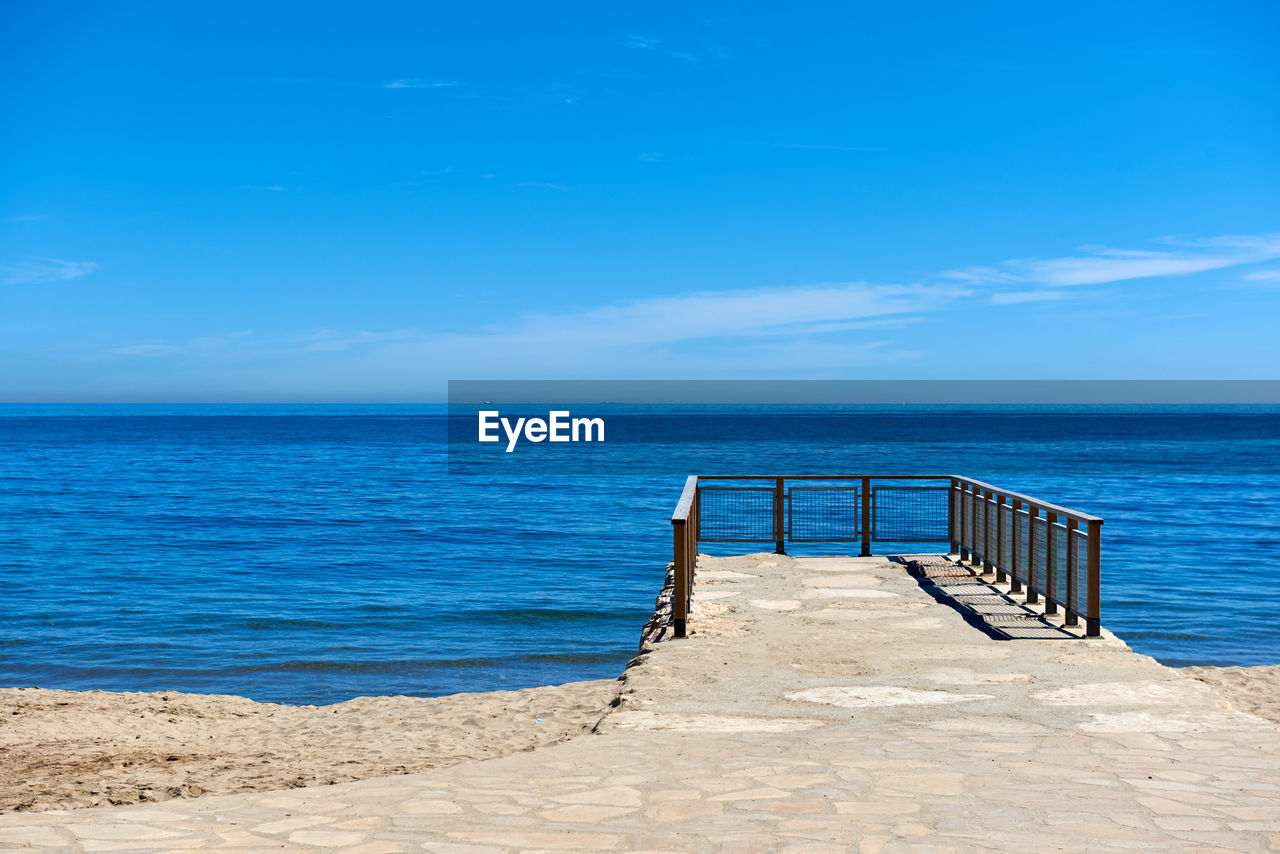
(821, 705)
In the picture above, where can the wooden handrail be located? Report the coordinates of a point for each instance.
(1036, 502)
(684, 530)
(685, 504)
(825, 476)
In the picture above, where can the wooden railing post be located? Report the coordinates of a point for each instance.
(964, 522)
(779, 522)
(952, 533)
(866, 517)
(1050, 563)
(680, 578)
(1071, 618)
(1093, 616)
(975, 497)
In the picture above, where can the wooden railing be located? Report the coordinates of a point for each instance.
(1056, 555)
(684, 525)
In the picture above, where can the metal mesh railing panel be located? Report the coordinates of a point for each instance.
(1022, 520)
(1080, 543)
(979, 525)
(735, 514)
(909, 513)
(1006, 536)
(993, 534)
(823, 514)
(1039, 555)
(975, 524)
(1060, 562)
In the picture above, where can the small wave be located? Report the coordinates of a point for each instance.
(400, 666)
(544, 615)
(1168, 636)
(282, 623)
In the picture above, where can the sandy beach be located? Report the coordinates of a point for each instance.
(68, 749)
(1255, 690)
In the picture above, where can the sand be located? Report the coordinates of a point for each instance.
(68, 749)
(1255, 690)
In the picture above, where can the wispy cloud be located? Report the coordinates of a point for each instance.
(1014, 297)
(333, 341)
(737, 314)
(25, 218)
(146, 350)
(662, 157)
(642, 42)
(818, 330)
(825, 147)
(656, 45)
(834, 322)
(810, 328)
(1099, 265)
(274, 188)
(205, 344)
(825, 327)
(1262, 280)
(35, 271)
(544, 185)
(718, 50)
(1263, 276)
(822, 330)
(418, 83)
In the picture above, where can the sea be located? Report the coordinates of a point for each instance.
(309, 554)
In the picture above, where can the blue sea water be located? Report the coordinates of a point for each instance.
(309, 554)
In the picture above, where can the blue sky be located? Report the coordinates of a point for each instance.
(291, 202)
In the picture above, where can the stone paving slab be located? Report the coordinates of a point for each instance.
(804, 715)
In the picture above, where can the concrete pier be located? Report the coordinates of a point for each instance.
(818, 705)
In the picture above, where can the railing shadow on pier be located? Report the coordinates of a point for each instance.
(1039, 549)
(980, 602)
